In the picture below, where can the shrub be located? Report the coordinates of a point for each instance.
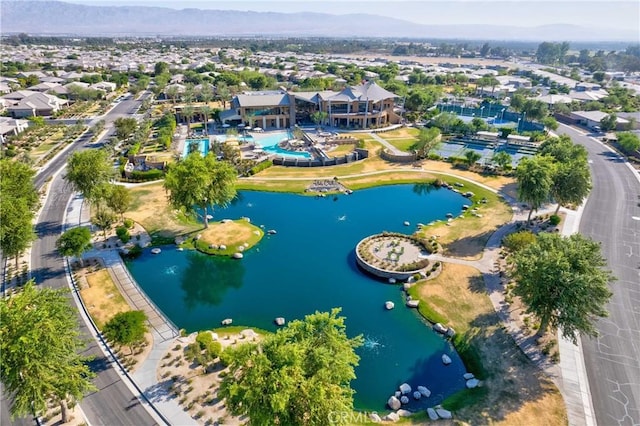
(123, 233)
(260, 167)
(134, 252)
(128, 223)
(519, 240)
(141, 176)
(554, 219)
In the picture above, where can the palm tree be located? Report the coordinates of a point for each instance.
(471, 157)
(206, 111)
(223, 94)
(188, 113)
(172, 92)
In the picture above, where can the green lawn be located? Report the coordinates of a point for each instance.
(402, 144)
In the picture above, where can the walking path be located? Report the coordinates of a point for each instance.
(390, 147)
(163, 331)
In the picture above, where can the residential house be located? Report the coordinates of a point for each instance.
(37, 104)
(11, 126)
(591, 119)
(43, 87)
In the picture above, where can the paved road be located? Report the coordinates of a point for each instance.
(613, 359)
(114, 403)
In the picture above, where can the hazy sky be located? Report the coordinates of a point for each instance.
(623, 15)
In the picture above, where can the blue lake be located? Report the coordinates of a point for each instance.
(309, 265)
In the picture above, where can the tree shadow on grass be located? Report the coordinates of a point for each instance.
(470, 246)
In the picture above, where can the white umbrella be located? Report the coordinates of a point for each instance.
(225, 125)
(257, 129)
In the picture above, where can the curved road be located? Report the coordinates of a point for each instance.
(612, 216)
(114, 403)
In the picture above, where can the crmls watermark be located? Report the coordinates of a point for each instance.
(349, 417)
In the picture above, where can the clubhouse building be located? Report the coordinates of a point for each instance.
(356, 107)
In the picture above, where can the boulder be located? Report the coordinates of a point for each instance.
(392, 280)
(238, 255)
(398, 394)
(472, 383)
(249, 333)
(445, 359)
(443, 414)
(412, 303)
(468, 376)
(392, 417)
(424, 391)
(388, 305)
(405, 388)
(450, 332)
(394, 403)
(432, 414)
(222, 247)
(404, 399)
(404, 413)
(375, 418)
(226, 321)
(225, 220)
(439, 328)
(417, 395)
(406, 286)
(406, 223)
(279, 321)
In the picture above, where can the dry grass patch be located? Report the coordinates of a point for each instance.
(228, 233)
(102, 298)
(340, 150)
(151, 209)
(514, 391)
(496, 182)
(387, 178)
(401, 133)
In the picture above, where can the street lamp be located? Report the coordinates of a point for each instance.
(481, 109)
(502, 114)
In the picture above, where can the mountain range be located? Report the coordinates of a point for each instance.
(61, 18)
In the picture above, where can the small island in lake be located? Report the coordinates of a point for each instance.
(224, 238)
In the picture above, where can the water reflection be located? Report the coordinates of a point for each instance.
(206, 279)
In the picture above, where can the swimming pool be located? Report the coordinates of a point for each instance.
(269, 142)
(190, 145)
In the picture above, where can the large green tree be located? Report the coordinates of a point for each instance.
(126, 328)
(125, 127)
(297, 376)
(18, 202)
(563, 282)
(571, 183)
(535, 177)
(16, 227)
(118, 199)
(74, 242)
(571, 175)
(88, 172)
(428, 140)
(629, 142)
(199, 181)
(40, 345)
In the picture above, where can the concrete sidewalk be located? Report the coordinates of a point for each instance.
(163, 331)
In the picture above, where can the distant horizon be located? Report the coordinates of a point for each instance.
(597, 14)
